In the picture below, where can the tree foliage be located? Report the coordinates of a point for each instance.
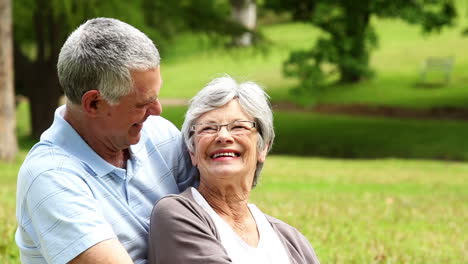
(41, 27)
(348, 37)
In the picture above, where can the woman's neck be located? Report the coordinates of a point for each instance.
(229, 200)
(231, 204)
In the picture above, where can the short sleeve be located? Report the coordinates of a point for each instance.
(61, 217)
(181, 233)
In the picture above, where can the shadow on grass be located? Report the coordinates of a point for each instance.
(430, 85)
(369, 137)
(357, 137)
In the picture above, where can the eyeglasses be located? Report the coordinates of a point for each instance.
(240, 127)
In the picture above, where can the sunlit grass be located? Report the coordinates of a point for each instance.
(8, 250)
(371, 211)
(368, 211)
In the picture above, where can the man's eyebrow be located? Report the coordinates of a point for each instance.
(152, 98)
(149, 100)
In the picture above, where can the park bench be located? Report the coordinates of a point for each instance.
(442, 65)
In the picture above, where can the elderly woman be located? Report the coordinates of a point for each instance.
(228, 130)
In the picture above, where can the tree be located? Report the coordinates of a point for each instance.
(8, 143)
(41, 27)
(348, 36)
(210, 17)
(244, 12)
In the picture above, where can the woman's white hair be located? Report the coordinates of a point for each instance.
(252, 99)
(100, 55)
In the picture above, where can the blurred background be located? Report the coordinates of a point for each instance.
(370, 100)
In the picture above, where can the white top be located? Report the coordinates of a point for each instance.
(269, 250)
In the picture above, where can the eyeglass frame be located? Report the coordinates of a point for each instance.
(219, 126)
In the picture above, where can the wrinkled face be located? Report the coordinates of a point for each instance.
(222, 156)
(123, 122)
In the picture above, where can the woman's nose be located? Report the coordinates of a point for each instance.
(224, 135)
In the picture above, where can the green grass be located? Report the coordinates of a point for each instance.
(371, 211)
(398, 62)
(8, 250)
(368, 211)
(361, 137)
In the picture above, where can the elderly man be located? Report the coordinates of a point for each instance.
(86, 190)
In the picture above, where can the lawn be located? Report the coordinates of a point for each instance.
(366, 211)
(8, 250)
(371, 211)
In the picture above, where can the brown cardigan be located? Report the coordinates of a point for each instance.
(183, 232)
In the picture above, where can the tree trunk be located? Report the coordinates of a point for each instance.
(8, 141)
(244, 12)
(43, 98)
(42, 86)
(357, 25)
(44, 95)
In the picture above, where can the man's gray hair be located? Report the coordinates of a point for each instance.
(100, 55)
(252, 99)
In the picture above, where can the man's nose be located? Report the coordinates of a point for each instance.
(155, 108)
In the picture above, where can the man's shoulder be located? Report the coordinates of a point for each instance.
(47, 156)
(162, 134)
(160, 125)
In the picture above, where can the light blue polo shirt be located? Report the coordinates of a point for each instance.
(69, 198)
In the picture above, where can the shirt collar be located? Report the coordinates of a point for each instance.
(62, 134)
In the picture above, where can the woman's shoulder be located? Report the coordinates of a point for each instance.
(282, 227)
(182, 232)
(296, 243)
(175, 208)
(173, 202)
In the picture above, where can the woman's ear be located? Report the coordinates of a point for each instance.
(193, 158)
(262, 155)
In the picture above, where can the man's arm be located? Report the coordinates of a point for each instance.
(107, 251)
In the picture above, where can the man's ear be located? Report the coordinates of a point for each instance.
(262, 155)
(90, 101)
